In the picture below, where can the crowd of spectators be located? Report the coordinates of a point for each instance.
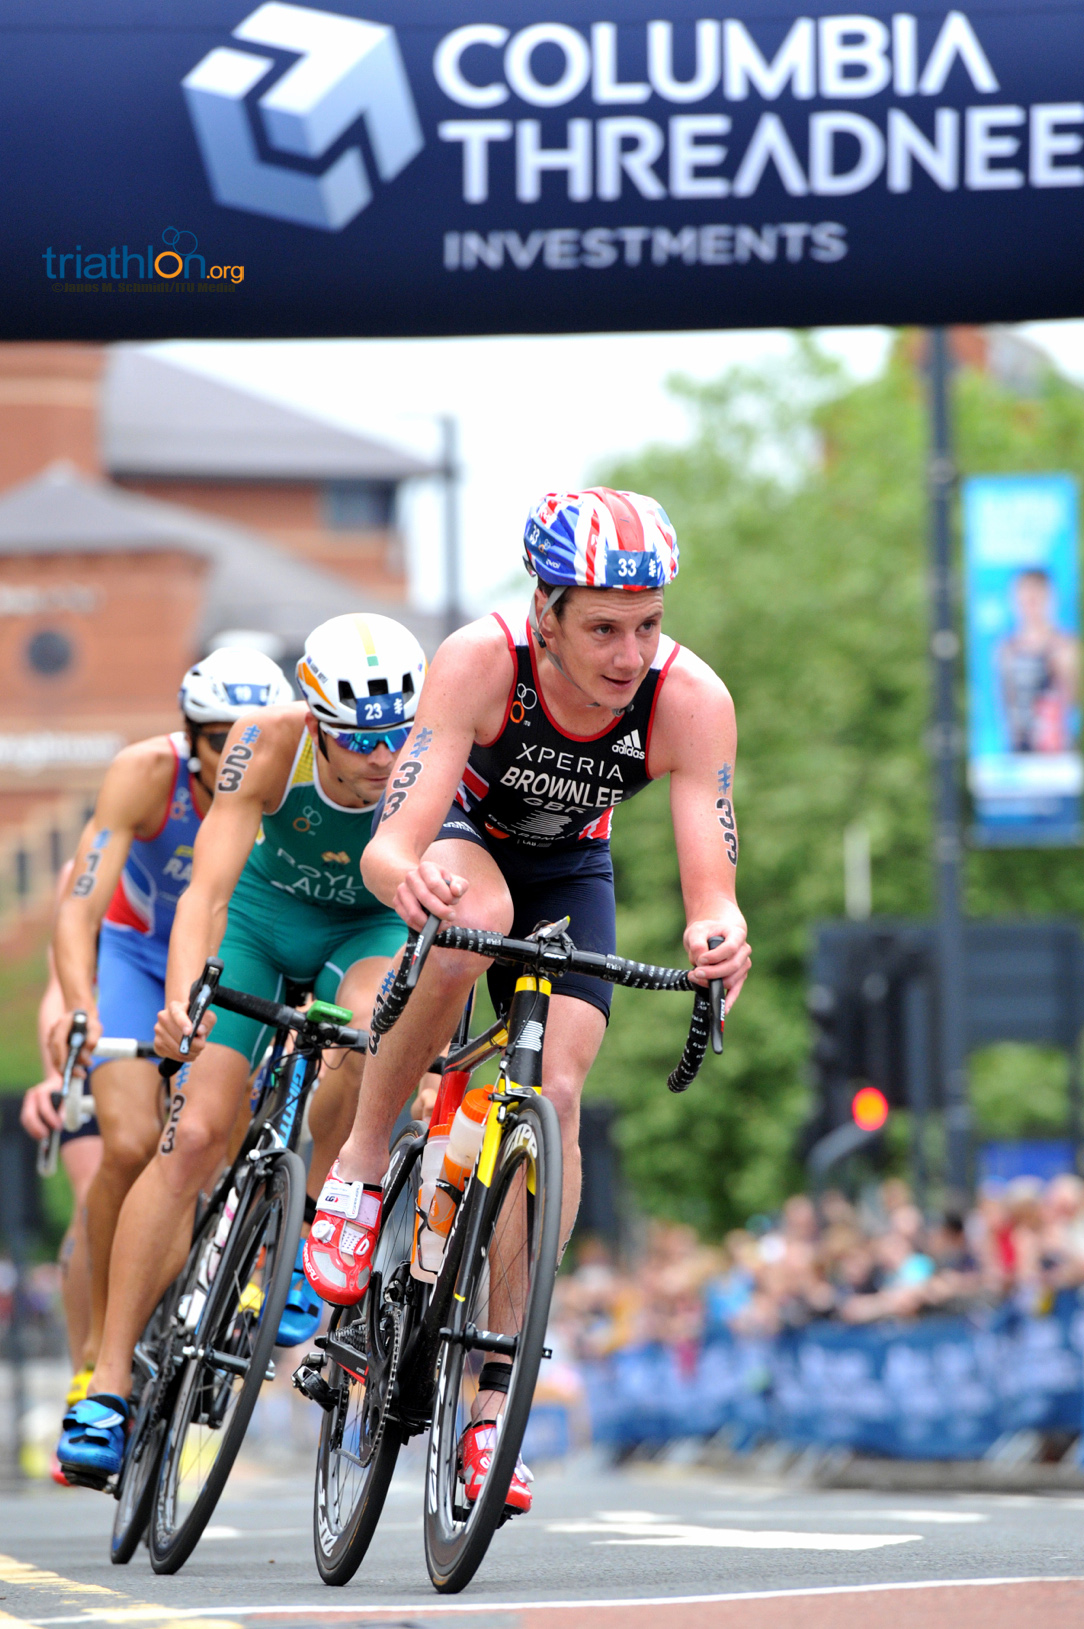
(855, 1263)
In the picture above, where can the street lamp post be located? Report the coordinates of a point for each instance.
(453, 615)
(944, 741)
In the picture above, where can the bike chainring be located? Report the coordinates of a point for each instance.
(392, 1312)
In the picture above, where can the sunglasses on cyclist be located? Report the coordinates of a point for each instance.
(215, 739)
(367, 741)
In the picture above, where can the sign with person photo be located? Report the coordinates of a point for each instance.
(1023, 659)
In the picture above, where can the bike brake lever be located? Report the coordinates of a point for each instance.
(718, 1003)
(201, 997)
(201, 1000)
(421, 950)
(48, 1146)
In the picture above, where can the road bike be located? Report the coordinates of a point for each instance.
(206, 1350)
(408, 1357)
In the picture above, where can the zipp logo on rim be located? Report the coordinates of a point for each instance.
(347, 70)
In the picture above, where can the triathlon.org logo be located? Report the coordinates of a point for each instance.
(629, 745)
(121, 266)
(348, 70)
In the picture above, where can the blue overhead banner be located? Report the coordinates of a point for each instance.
(1021, 552)
(214, 167)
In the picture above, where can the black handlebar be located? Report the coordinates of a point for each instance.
(276, 1016)
(208, 992)
(552, 956)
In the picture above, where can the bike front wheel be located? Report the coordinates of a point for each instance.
(153, 1371)
(228, 1355)
(507, 1285)
(359, 1443)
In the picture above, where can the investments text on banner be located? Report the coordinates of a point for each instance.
(1023, 658)
(221, 168)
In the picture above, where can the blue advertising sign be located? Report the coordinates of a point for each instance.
(1023, 658)
(219, 167)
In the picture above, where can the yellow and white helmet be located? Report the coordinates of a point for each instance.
(362, 672)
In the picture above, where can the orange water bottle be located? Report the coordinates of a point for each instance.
(428, 1251)
(464, 1142)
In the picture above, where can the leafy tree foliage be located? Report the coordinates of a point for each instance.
(799, 502)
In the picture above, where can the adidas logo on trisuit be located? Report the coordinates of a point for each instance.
(629, 745)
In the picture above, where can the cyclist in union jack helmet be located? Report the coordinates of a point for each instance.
(498, 816)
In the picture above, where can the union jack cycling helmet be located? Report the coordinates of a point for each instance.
(600, 539)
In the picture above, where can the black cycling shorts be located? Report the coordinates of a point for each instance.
(546, 885)
(89, 1128)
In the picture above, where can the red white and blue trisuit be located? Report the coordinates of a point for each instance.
(134, 941)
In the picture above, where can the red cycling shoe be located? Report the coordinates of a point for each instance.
(338, 1251)
(476, 1447)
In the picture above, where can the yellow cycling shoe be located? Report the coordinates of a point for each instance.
(77, 1390)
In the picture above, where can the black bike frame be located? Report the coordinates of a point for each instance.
(520, 1038)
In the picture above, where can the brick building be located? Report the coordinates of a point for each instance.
(146, 511)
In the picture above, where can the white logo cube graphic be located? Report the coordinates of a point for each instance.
(347, 69)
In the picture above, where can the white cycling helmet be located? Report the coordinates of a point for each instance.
(229, 682)
(362, 672)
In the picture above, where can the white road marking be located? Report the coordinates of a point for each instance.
(431, 1608)
(639, 1528)
(947, 1517)
(871, 1514)
(217, 1531)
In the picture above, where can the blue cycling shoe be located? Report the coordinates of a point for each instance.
(303, 1310)
(93, 1436)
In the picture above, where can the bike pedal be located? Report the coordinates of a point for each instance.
(86, 1479)
(311, 1384)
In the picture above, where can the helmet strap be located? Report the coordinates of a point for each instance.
(532, 618)
(195, 764)
(321, 743)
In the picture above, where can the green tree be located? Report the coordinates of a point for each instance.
(799, 502)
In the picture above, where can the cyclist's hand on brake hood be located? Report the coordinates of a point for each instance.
(173, 1024)
(58, 1037)
(729, 961)
(427, 891)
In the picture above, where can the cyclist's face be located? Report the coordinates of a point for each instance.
(209, 743)
(360, 776)
(606, 640)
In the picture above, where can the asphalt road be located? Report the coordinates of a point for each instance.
(682, 1543)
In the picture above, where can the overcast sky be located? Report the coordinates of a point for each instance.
(534, 413)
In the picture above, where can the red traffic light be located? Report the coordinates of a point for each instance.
(869, 1108)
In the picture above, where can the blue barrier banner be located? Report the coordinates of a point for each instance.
(1021, 548)
(942, 1388)
(224, 168)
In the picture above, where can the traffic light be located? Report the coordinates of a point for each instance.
(869, 1108)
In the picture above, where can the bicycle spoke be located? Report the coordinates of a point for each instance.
(226, 1360)
(508, 1285)
(358, 1445)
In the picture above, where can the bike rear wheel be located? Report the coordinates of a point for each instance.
(358, 1444)
(507, 1285)
(228, 1355)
